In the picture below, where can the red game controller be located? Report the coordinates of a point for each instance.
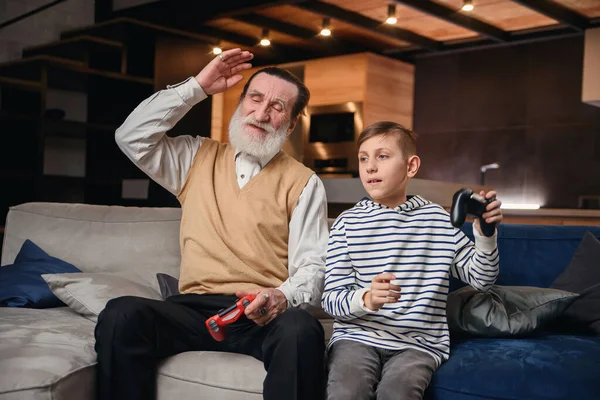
(216, 324)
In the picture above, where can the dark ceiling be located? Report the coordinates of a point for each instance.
(424, 27)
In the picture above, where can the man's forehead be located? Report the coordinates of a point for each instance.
(273, 85)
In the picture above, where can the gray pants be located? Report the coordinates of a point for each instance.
(362, 372)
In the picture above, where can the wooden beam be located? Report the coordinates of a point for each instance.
(457, 18)
(334, 45)
(554, 10)
(481, 44)
(275, 25)
(360, 21)
(238, 9)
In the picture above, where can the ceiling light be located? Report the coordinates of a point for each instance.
(264, 40)
(326, 30)
(391, 16)
(217, 50)
(468, 5)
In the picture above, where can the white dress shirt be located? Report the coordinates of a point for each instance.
(167, 160)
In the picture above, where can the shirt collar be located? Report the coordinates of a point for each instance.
(262, 161)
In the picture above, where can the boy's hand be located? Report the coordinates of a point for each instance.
(382, 292)
(493, 212)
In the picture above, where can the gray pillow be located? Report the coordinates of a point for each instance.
(504, 310)
(88, 293)
(168, 285)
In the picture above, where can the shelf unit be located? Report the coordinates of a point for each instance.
(105, 70)
(92, 68)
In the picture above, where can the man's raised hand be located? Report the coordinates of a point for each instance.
(224, 71)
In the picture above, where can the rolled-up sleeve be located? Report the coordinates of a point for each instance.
(142, 137)
(307, 247)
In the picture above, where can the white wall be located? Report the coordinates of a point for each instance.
(41, 28)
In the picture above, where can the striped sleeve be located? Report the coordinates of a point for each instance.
(476, 264)
(340, 287)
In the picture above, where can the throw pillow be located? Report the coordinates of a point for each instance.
(504, 310)
(88, 293)
(582, 276)
(21, 283)
(168, 285)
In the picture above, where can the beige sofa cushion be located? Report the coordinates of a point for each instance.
(46, 354)
(141, 241)
(208, 375)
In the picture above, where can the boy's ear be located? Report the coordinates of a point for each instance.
(412, 166)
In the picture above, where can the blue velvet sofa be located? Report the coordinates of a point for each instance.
(544, 365)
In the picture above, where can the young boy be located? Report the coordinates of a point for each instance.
(386, 282)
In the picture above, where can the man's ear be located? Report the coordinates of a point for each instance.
(412, 166)
(292, 127)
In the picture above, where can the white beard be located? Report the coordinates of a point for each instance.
(255, 144)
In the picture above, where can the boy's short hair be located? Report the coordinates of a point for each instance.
(407, 139)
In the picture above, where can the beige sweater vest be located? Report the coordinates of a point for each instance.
(231, 238)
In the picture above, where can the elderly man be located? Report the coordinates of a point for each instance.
(253, 222)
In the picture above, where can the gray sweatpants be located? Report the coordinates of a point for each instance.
(362, 372)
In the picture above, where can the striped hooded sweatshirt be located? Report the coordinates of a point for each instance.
(417, 243)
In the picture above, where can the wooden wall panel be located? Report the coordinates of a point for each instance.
(389, 91)
(175, 61)
(521, 108)
(336, 80)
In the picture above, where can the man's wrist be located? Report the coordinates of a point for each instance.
(190, 91)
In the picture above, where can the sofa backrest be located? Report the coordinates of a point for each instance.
(136, 241)
(535, 255)
(145, 241)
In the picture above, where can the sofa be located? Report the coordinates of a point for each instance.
(49, 353)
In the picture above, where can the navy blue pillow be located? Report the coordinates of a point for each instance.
(21, 283)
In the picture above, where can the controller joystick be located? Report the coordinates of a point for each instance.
(217, 323)
(465, 202)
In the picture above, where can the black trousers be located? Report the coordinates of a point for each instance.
(133, 334)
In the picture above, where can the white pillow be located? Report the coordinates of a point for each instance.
(88, 293)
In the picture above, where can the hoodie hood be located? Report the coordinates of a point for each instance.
(411, 203)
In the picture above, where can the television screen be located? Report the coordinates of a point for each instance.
(332, 128)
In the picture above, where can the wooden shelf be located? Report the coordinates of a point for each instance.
(62, 73)
(60, 128)
(117, 29)
(75, 49)
(20, 83)
(81, 180)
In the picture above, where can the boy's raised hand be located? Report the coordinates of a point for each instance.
(382, 291)
(493, 212)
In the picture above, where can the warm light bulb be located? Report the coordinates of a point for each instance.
(468, 5)
(217, 50)
(264, 38)
(391, 15)
(325, 32)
